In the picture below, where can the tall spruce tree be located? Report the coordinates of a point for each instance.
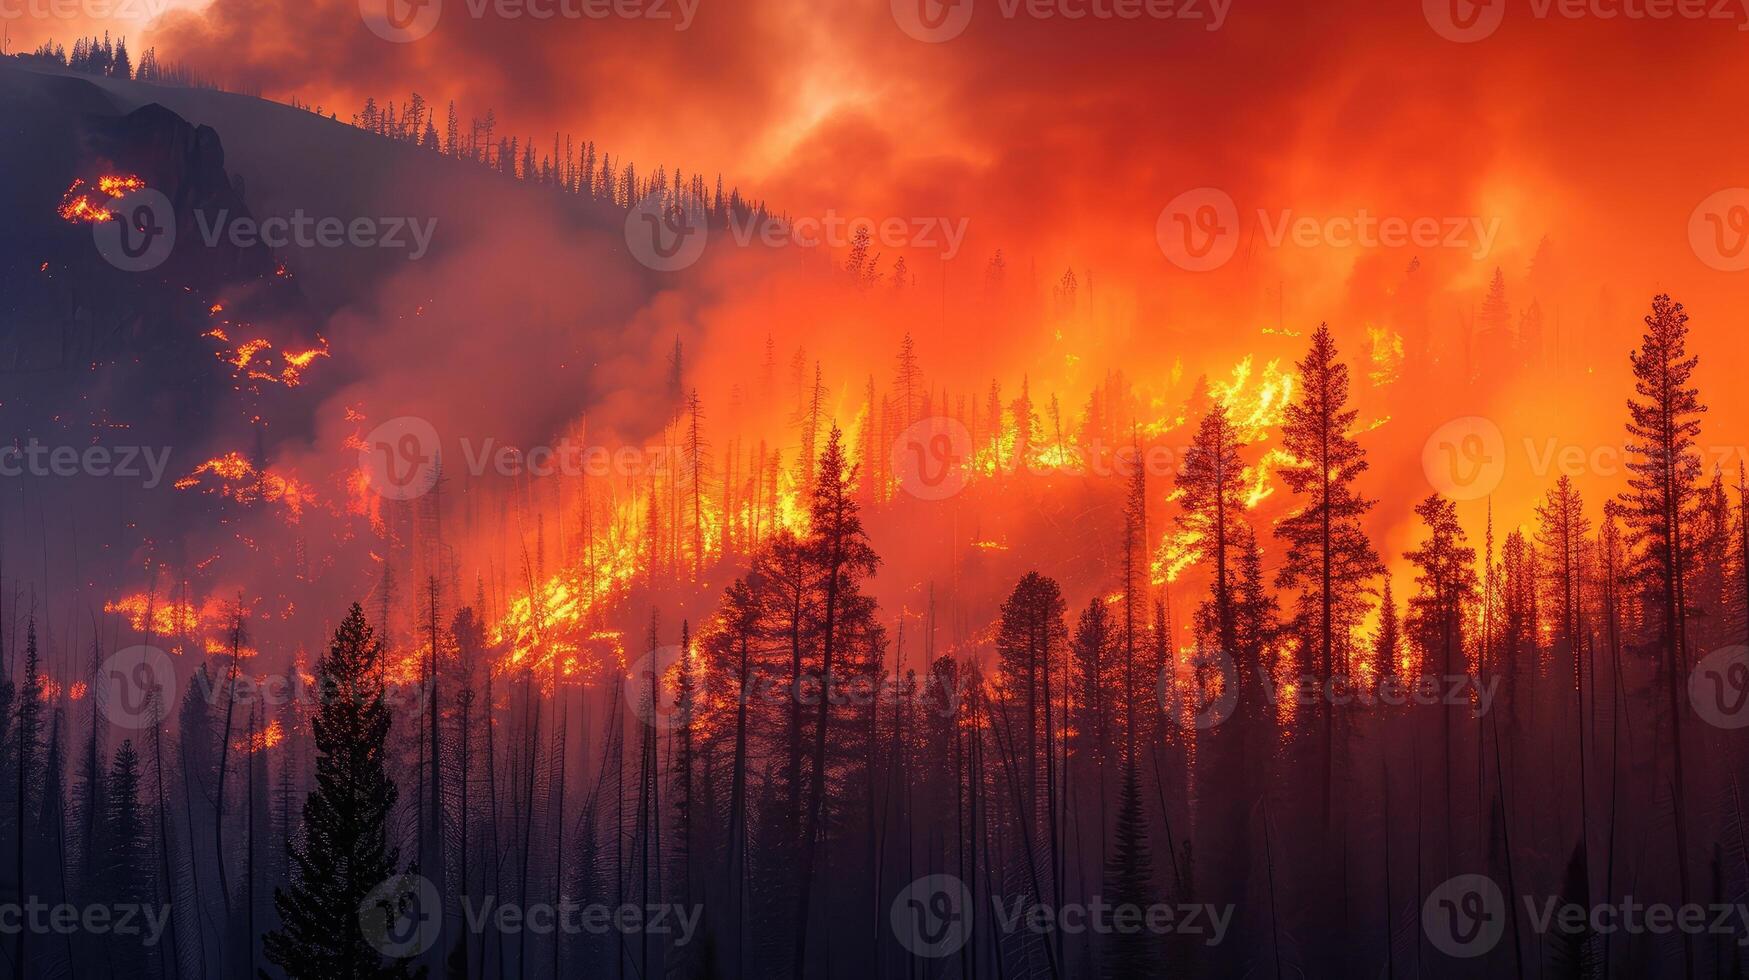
(1131, 954)
(1329, 559)
(846, 635)
(1445, 585)
(1213, 503)
(126, 865)
(1663, 424)
(345, 854)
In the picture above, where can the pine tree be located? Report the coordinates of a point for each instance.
(1132, 954)
(29, 739)
(1387, 643)
(1027, 433)
(1030, 641)
(1445, 585)
(51, 817)
(1329, 558)
(1521, 625)
(1213, 501)
(687, 818)
(345, 852)
(90, 802)
(1328, 555)
(1255, 616)
(1743, 549)
(1093, 703)
(1446, 580)
(697, 470)
(858, 264)
(1561, 530)
(907, 381)
(1710, 586)
(1493, 338)
(1664, 423)
(126, 866)
(838, 550)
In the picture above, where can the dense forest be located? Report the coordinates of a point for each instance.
(669, 729)
(791, 787)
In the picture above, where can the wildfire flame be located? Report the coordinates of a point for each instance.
(1385, 352)
(1256, 404)
(236, 478)
(261, 739)
(82, 203)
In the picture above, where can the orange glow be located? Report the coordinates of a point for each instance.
(236, 478)
(82, 203)
(260, 740)
(159, 616)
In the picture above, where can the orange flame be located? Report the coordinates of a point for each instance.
(92, 205)
(238, 479)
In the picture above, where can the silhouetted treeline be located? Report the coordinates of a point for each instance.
(787, 773)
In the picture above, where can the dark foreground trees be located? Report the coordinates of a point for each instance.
(826, 756)
(345, 855)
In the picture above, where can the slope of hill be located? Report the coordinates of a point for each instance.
(255, 357)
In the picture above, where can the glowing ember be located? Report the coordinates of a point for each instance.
(160, 617)
(297, 361)
(265, 738)
(236, 478)
(254, 359)
(1385, 354)
(84, 203)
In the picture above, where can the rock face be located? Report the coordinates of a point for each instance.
(187, 164)
(61, 129)
(92, 354)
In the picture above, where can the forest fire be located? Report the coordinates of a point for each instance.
(253, 359)
(90, 203)
(162, 617)
(236, 478)
(260, 740)
(1329, 554)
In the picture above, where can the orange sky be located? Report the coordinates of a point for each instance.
(1061, 140)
